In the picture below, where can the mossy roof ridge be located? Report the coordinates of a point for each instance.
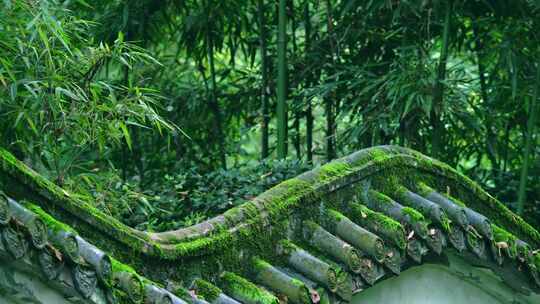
(96, 276)
(274, 203)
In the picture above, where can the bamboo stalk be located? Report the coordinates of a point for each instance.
(85, 280)
(328, 243)
(455, 212)
(14, 242)
(97, 258)
(529, 143)
(32, 223)
(293, 289)
(282, 81)
(362, 239)
(264, 86)
(307, 264)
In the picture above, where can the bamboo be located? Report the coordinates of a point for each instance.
(328, 243)
(264, 86)
(32, 223)
(438, 92)
(355, 235)
(266, 274)
(308, 265)
(455, 212)
(97, 259)
(282, 82)
(529, 143)
(85, 280)
(309, 81)
(14, 242)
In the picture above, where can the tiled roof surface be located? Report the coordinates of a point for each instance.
(320, 237)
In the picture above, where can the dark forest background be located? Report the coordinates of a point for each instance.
(165, 113)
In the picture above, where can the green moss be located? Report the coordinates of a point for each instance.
(379, 197)
(362, 214)
(50, 221)
(335, 216)
(200, 246)
(118, 266)
(333, 170)
(413, 214)
(207, 291)
(246, 291)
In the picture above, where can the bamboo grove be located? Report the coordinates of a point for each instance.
(123, 94)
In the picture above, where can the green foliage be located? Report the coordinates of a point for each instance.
(91, 93)
(183, 199)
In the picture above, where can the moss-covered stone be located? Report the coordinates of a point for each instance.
(206, 290)
(245, 291)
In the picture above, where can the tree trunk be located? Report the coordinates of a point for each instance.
(282, 82)
(329, 99)
(531, 124)
(264, 85)
(309, 82)
(295, 84)
(213, 103)
(490, 138)
(437, 140)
